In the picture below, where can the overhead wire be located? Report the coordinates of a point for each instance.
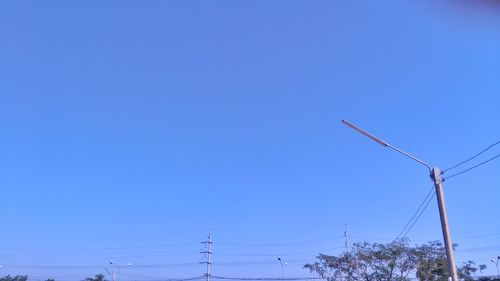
(279, 244)
(425, 239)
(143, 277)
(187, 279)
(152, 255)
(264, 278)
(473, 167)
(416, 212)
(471, 158)
(276, 254)
(419, 215)
(260, 262)
(95, 266)
(168, 245)
(480, 249)
(97, 249)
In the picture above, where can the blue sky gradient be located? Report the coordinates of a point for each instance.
(130, 129)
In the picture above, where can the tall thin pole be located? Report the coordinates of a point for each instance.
(209, 263)
(346, 240)
(341, 260)
(436, 177)
(496, 263)
(438, 183)
(113, 273)
(282, 273)
(282, 270)
(208, 254)
(346, 245)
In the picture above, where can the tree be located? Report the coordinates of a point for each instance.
(16, 278)
(395, 261)
(433, 265)
(98, 277)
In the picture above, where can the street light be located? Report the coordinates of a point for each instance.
(113, 273)
(496, 263)
(282, 271)
(435, 174)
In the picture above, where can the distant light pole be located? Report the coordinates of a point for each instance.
(114, 270)
(113, 273)
(282, 270)
(435, 174)
(496, 263)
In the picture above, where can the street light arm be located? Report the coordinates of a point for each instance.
(359, 130)
(435, 175)
(381, 142)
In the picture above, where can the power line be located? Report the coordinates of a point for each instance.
(473, 167)
(150, 278)
(266, 262)
(186, 279)
(264, 278)
(416, 212)
(420, 214)
(97, 249)
(153, 255)
(277, 254)
(93, 266)
(427, 238)
(480, 249)
(280, 244)
(471, 158)
(170, 245)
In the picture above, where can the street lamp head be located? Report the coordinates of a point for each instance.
(129, 264)
(383, 143)
(111, 262)
(498, 257)
(493, 260)
(279, 258)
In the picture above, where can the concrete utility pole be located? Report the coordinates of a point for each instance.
(208, 254)
(438, 184)
(435, 174)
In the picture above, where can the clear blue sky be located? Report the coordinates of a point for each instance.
(130, 129)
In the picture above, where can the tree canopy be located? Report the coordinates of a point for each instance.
(98, 277)
(15, 278)
(394, 261)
